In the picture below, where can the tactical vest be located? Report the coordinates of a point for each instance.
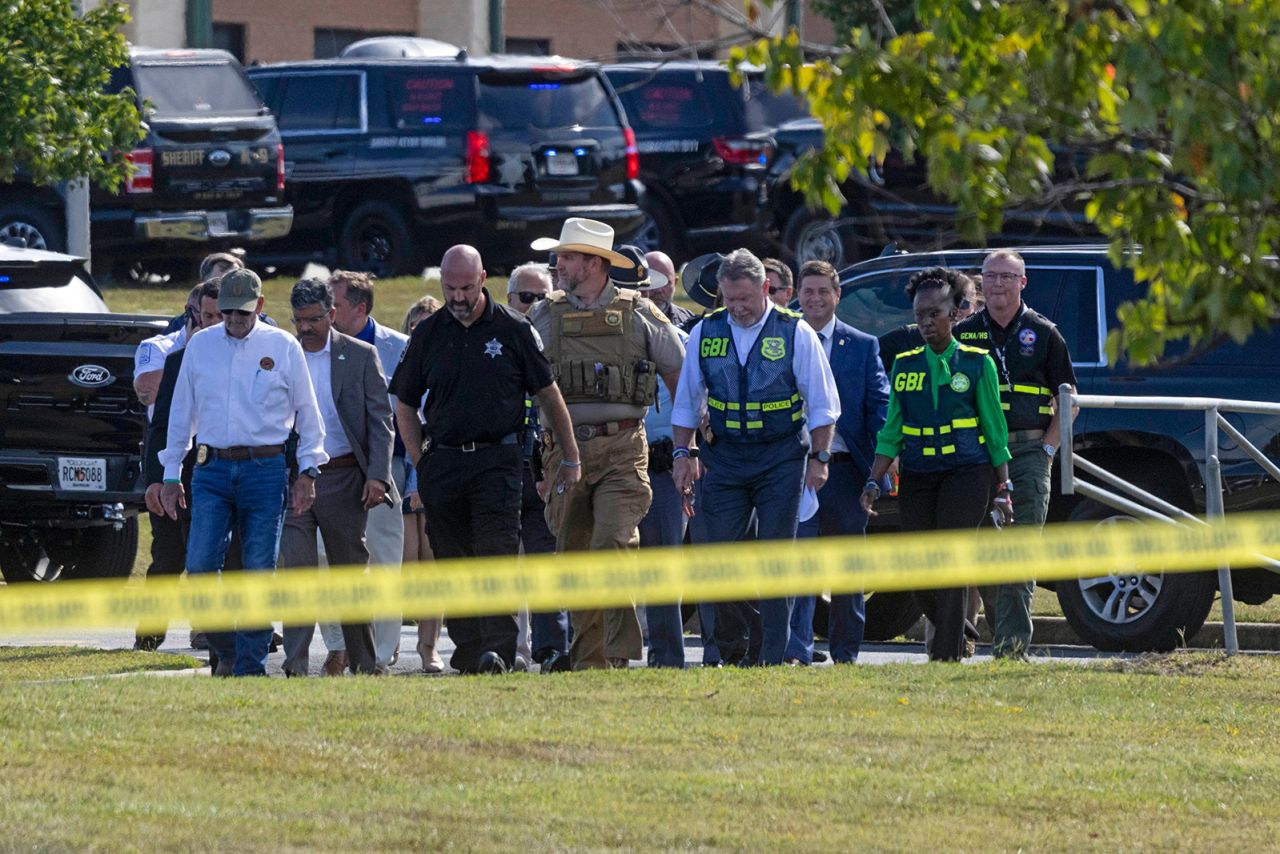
(594, 354)
(1025, 395)
(949, 436)
(758, 401)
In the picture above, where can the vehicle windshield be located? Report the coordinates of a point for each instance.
(195, 89)
(58, 288)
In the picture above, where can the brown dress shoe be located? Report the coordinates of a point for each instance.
(335, 664)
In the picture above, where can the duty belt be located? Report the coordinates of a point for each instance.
(587, 432)
(429, 445)
(1025, 435)
(239, 452)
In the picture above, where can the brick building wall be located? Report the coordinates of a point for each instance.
(284, 30)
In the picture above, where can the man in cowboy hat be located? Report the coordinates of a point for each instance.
(608, 346)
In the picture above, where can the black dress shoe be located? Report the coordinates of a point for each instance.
(491, 662)
(819, 657)
(556, 662)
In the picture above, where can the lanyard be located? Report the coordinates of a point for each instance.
(998, 352)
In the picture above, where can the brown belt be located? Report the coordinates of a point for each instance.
(346, 461)
(1025, 435)
(587, 432)
(241, 452)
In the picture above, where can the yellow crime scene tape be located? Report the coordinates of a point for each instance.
(883, 562)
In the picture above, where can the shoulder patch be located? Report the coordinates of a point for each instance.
(627, 295)
(656, 312)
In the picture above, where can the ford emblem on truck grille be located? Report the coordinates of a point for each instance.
(91, 376)
(218, 157)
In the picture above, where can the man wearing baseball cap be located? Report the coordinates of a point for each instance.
(608, 346)
(242, 388)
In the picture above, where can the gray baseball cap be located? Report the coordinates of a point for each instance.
(239, 290)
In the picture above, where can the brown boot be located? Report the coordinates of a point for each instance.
(335, 664)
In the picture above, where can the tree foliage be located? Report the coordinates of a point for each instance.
(1172, 107)
(56, 120)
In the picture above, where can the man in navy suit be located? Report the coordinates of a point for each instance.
(864, 402)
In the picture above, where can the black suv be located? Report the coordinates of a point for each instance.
(392, 160)
(892, 204)
(208, 175)
(71, 426)
(1160, 451)
(705, 148)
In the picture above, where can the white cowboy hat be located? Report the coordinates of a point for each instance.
(586, 236)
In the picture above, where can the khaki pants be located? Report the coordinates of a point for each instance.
(602, 512)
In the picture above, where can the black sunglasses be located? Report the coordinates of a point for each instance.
(235, 312)
(775, 291)
(529, 297)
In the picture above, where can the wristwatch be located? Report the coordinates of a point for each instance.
(1007, 486)
(311, 472)
(823, 457)
(1049, 450)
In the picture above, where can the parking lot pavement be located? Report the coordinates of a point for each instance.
(409, 664)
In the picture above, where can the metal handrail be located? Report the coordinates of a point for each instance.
(1151, 506)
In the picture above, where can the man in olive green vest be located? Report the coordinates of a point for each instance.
(608, 347)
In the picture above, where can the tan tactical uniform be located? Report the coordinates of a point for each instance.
(608, 358)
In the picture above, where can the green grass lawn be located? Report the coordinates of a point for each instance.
(27, 663)
(1170, 753)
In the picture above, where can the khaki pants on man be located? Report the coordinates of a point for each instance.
(602, 512)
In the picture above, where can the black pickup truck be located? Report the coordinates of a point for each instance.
(208, 175)
(70, 423)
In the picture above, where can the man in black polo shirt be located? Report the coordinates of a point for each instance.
(1032, 361)
(476, 362)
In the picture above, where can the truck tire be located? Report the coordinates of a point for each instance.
(659, 233)
(376, 239)
(38, 226)
(49, 555)
(1131, 611)
(890, 615)
(813, 236)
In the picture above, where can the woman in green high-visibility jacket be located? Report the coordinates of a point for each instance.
(947, 429)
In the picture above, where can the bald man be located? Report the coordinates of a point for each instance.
(479, 359)
(660, 262)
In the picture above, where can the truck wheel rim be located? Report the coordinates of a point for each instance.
(820, 241)
(1125, 595)
(26, 231)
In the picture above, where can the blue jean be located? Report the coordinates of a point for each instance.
(249, 496)
(664, 525)
(706, 610)
(840, 514)
(765, 479)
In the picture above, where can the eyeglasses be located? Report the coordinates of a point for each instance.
(530, 297)
(1001, 277)
(235, 312)
(775, 291)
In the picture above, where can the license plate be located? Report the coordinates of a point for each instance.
(562, 163)
(217, 223)
(83, 474)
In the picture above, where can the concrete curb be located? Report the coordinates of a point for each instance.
(1055, 631)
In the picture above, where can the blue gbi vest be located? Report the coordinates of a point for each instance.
(947, 437)
(758, 401)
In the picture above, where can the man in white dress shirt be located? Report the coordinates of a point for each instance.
(254, 389)
(760, 373)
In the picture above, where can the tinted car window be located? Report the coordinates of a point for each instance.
(521, 101)
(49, 288)
(429, 101)
(321, 102)
(1070, 299)
(766, 109)
(196, 89)
(664, 102)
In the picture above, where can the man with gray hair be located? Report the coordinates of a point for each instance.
(351, 391)
(528, 284)
(761, 374)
